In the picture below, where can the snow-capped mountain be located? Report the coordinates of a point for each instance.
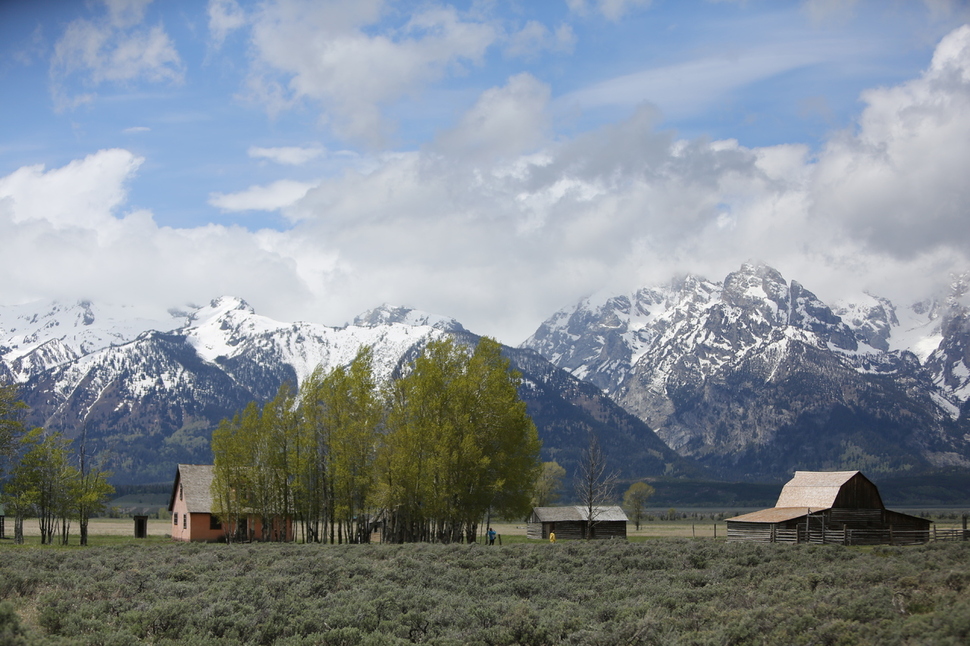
(757, 376)
(150, 397)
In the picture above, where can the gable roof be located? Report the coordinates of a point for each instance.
(773, 515)
(577, 513)
(815, 490)
(196, 483)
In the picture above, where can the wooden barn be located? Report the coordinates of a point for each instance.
(191, 507)
(570, 523)
(829, 507)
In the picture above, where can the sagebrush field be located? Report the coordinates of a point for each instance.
(667, 591)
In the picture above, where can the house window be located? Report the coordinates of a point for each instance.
(180, 491)
(214, 522)
(185, 521)
(175, 518)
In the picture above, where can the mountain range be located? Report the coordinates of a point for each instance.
(755, 377)
(146, 393)
(749, 378)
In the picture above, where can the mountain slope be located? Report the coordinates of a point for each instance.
(756, 376)
(149, 399)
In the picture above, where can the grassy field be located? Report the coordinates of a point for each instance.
(668, 590)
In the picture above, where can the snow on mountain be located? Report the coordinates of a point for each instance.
(37, 336)
(387, 314)
(724, 370)
(149, 399)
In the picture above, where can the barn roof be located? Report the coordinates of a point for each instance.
(196, 481)
(774, 515)
(577, 513)
(814, 489)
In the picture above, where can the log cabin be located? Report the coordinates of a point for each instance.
(570, 523)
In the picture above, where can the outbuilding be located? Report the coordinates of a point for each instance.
(574, 522)
(192, 511)
(829, 507)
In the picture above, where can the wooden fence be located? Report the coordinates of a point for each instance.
(828, 536)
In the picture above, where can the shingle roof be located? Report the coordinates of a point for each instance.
(774, 515)
(577, 512)
(814, 489)
(196, 482)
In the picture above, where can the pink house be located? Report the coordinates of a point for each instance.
(191, 507)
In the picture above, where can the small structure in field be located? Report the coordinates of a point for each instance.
(572, 522)
(829, 507)
(192, 511)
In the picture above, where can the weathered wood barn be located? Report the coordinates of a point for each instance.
(191, 507)
(572, 522)
(829, 507)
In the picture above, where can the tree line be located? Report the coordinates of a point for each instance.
(427, 456)
(48, 479)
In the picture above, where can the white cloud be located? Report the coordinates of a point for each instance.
(134, 130)
(225, 17)
(499, 223)
(113, 49)
(271, 197)
(503, 122)
(610, 9)
(324, 53)
(535, 38)
(687, 88)
(288, 155)
(66, 236)
(900, 181)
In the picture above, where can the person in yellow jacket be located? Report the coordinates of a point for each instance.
(552, 537)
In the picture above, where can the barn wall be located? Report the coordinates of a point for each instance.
(858, 493)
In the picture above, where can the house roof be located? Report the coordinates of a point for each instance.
(577, 513)
(774, 515)
(196, 482)
(814, 489)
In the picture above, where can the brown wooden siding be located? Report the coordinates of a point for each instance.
(574, 530)
(858, 493)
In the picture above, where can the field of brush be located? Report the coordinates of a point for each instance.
(660, 591)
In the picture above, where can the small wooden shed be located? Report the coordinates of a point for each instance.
(829, 507)
(570, 523)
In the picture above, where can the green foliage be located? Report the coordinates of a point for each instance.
(635, 500)
(11, 632)
(599, 592)
(459, 443)
(549, 485)
(11, 425)
(436, 450)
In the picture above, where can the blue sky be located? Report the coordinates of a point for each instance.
(492, 161)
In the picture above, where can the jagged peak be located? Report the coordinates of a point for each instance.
(218, 308)
(387, 314)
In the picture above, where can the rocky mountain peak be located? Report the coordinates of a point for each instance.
(387, 314)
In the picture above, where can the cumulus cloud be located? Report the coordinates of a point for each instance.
(900, 181)
(503, 122)
(67, 236)
(288, 155)
(499, 222)
(225, 17)
(271, 197)
(113, 48)
(323, 53)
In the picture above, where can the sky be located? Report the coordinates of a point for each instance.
(493, 161)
